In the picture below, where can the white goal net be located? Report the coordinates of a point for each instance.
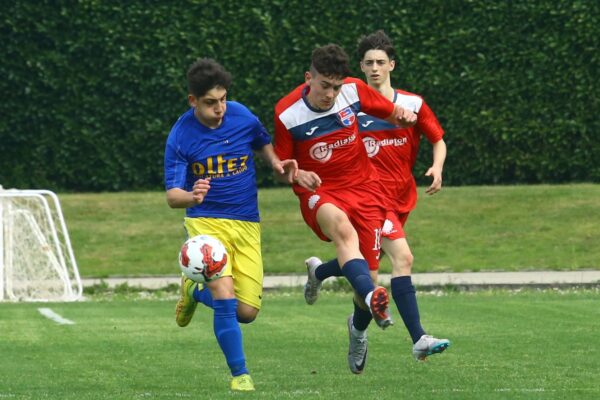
(36, 259)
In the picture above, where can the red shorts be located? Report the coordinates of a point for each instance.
(363, 208)
(392, 227)
(403, 217)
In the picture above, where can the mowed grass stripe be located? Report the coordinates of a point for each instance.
(505, 344)
(479, 228)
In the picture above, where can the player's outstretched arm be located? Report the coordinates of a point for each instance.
(435, 171)
(285, 170)
(179, 198)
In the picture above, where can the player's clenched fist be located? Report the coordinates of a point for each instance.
(404, 117)
(201, 187)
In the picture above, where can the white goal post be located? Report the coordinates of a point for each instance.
(36, 258)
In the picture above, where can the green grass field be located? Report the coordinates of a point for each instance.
(483, 228)
(528, 344)
(505, 345)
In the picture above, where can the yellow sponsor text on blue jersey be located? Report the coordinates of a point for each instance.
(219, 166)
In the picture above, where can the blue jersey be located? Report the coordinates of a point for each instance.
(224, 154)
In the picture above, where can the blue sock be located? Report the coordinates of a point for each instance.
(327, 269)
(357, 273)
(405, 298)
(203, 296)
(229, 335)
(362, 318)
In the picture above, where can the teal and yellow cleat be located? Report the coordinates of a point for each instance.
(186, 305)
(242, 383)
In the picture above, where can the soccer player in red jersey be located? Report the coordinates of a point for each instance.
(393, 151)
(317, 125)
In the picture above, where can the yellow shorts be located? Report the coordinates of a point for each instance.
(242, 241)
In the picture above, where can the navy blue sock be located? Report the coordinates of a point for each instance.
(229, 335)
(327, 269)
(362, 318)
(357, 273)
(203, 296)
(404, 295)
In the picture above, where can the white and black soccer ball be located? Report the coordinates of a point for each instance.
(203, 258)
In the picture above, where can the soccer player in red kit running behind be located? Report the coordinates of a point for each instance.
(393, 152)
(316, 124)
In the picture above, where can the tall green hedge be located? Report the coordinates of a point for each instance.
(91, 88)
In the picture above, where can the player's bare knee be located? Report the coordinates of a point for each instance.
(246, 314)
(245, 320)
(221, 288)
(344, 232)
(402, 264)
(408, 260)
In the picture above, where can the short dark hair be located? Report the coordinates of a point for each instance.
(205, 74)
(331, 61)
(376, 41)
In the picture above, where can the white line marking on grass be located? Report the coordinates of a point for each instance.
(48, 313)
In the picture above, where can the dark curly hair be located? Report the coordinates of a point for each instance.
(330, 61)
(205, 74)
(376, 41)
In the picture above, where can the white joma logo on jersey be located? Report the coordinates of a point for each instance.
(369, 122)
(313, 129)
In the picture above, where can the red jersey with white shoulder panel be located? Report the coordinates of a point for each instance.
(327, 141)
(393, 150)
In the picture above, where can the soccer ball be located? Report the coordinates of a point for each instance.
(202, 258)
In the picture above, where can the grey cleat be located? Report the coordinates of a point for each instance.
(429, 345)
(313, 285)
(357, 349)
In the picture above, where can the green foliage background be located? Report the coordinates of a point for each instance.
(91, 88)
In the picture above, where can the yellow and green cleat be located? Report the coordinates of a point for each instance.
(186, 305)
(242, 383)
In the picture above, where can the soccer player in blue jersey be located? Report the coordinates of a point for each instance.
(209, 171)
